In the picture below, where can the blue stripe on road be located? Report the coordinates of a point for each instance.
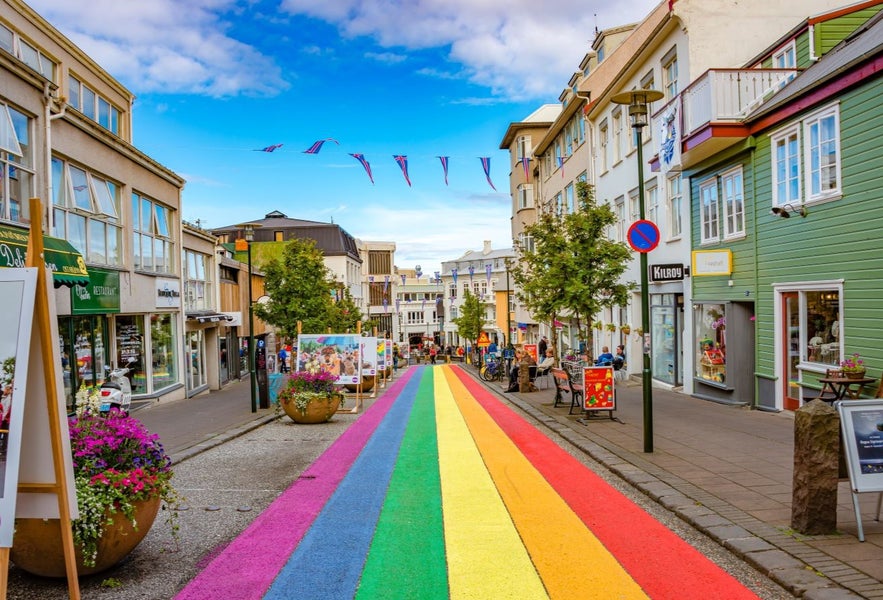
(322, 565)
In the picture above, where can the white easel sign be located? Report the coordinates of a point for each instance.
(862, 424)
(17, 290)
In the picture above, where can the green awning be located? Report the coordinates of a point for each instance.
(67, 264)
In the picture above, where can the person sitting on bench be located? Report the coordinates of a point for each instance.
(605, 359)
(619, 358)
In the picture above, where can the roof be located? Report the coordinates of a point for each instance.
(863, 44)
(542, 117)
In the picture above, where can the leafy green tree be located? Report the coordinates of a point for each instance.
(301, 288)
(471, 318)
(573, 267)
(345, 315)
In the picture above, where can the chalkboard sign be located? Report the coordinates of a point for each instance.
(862, 424)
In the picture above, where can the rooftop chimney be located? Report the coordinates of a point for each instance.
(487, 247)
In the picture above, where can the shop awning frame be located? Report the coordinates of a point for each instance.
(67, 264)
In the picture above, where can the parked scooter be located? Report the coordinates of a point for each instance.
(116, 391)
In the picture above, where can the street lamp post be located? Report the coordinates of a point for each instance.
(248, 229)
(637, 101)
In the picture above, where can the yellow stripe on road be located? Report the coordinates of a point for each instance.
(486, 558)
(571, 561)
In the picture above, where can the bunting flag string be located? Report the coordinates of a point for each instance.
(486, 165)
(385, 283)
(561, 165)
(525, 162)
(454, 275)
(403, 279)
(471, 272)
(270, 148)
(317, 145)
(361, 159)
(487, 271)
(444, 163)
(403, 163)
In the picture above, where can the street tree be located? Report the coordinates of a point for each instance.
(471, 319)
(301, 288)
(573, 267)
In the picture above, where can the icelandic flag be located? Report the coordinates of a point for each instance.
(444, 162)
(486, 165)
(525, 162)
(269, 148)
(317, 145)
(403, 163)
(361, 159)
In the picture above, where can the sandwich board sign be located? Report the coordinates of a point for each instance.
(861, 422)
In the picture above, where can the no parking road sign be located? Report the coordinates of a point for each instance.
(643, 236)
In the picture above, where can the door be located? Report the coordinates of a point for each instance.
(791, 351)
(225, 370)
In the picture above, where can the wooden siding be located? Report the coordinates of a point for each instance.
(830, 33)
(839, 239)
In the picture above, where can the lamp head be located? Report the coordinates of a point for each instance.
(638, 101)
(785, 211)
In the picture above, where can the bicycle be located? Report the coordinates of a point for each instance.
(492, 370)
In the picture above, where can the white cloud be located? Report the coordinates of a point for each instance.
(518, 48)
(166, 45)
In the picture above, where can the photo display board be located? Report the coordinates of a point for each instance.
(862, 424)
(338, 354)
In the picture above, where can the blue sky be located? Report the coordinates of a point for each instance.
(217, 79)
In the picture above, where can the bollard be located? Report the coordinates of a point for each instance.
(524, 384)
(816, 468)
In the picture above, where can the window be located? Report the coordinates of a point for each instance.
(414, 317)
(708, 211)
(197, 281)
(734, 203)
(568, 140)
(817, 169)
(617, 136)
(652, 203)
(525, 196)
(675, 225)
(786, 168)
(603, 136)
(648, 82)
(523, 147)
(88, 102)
(525, 242)
(621, 219)
(785, 58)
(569, 199)
(822, 136)
(152, 244)
(670, 74)
(818, 335)
(16, 165)
(164, 344)
(711, 342)
(558, 204)
(379, 262)
(86, 212)
(634, 206)
(27, 53)
(453, 289)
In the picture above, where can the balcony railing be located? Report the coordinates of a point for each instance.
(729, 94)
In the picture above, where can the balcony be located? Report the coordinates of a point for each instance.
(714, 106)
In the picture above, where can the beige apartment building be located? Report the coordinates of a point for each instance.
(65, 137)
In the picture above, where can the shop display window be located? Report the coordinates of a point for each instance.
(163, 355)
(711, 342)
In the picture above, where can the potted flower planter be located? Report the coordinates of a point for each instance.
(316, 410)
(38, 548)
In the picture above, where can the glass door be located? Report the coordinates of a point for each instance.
(791, 350)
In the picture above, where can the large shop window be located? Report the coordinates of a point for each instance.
(130, 350)
(817, 334)
(164, 357)
(711, 342)
(152, 243)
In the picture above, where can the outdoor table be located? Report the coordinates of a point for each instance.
(840, 387)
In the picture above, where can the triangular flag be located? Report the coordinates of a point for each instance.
(444, 162)
(525, 162)
(403, 163)
(486, 165)
(317, 145)
(361, 159)
(561, 165)
(269, 148)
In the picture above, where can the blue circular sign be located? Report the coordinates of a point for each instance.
(643, 236)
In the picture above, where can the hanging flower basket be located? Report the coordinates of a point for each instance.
(611, 327)
(598, 325)
(626, 329)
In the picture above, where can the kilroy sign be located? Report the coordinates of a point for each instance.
(673, 272)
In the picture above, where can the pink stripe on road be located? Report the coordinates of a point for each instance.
(247, 567)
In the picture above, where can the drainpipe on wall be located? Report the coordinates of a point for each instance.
(48, 117)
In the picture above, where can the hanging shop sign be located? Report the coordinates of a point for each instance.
(673, 272)
(168, 293)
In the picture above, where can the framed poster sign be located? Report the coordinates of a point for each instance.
(338, 354)
(862, 425)
(17, 293)
(599, 393)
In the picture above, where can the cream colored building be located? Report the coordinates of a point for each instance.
(65, 136)
(378, 290)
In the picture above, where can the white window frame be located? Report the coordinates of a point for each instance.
(523, 147)
(101, 110)
(786, 56)
(569, 199)
(709, 212)
(621, 219)
(670, 78)
(783, 139)
(732, 197)
(617, 120)
(603, 143)
(652, 204)
(812, 155)
(525, 196)
(675, 206)
(17, 175)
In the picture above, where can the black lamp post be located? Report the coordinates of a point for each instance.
(637, 101)
(248, 229)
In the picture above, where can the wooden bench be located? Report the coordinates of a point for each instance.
(564, 385)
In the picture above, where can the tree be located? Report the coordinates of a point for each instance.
(471, 319)
(301, 288)
(573, 266)
(345, 315)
